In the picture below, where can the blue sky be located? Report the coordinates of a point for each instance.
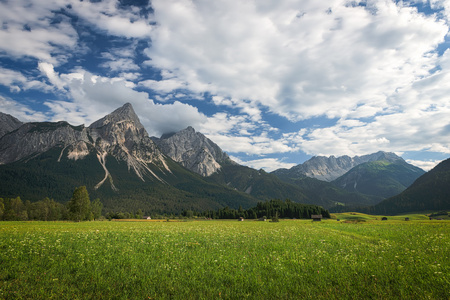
(271, 82)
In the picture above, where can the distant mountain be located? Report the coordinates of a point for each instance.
(381, 178)
(8, 123)
(114, 157)
(326, 192)
(430, 191)
(262, 185)
(199, 154)
(193, 150)
(330, 168)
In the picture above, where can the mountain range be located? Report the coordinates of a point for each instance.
(119, 163)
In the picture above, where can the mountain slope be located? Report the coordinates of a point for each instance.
(430, 191)
(8, 123)
(379, 178)
(330, 168)
(326, 192)
(262, 185)
(199, 154)
(114, 158)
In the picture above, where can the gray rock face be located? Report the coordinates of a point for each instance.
(36, 138)
(8, 123)
(194, 151)
(330, 168)
(119, 134)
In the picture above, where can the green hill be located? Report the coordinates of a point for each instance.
(431, 191)
(381, 179)
(260, 184)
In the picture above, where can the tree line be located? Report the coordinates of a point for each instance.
(79, 208)
(274, 208)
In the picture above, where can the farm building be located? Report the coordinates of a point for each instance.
(316, 217)
(384, 219)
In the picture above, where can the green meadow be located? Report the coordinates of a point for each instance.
(291, 259)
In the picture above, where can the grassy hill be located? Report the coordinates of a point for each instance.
(429, 192)
(381, 179)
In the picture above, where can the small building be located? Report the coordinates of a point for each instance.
(384, 219)
(262, 219)
(241, 219)
(316, 217)
(146, 217)
(406, 219)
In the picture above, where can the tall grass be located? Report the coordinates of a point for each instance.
(225, 259)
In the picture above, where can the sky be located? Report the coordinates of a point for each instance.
(273, 83)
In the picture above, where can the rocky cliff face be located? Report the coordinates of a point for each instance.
(330, 168)
(8, 123)
(194, 151)
(119, 134)
(35, 138)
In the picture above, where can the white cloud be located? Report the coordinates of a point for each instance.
(48, 70)
(107, 16)
(425, 165)
(163, 86)
(29, 31)
(17, 82)
(268, 164)
(295, 58)
(94, 96)
(20, 111)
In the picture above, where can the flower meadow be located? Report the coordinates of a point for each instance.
(291, 259)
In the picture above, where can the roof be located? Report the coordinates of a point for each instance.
(316, 216)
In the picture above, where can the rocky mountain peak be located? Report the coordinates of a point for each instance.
(119, 134)
(122, 126)
(193, 150)
(125, 113)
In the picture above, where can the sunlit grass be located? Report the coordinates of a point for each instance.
(225, 259)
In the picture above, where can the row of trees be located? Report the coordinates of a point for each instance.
(79, 208)
(269, 209)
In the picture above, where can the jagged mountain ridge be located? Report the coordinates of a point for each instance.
(114, 158)
(8, 123)
(330, 168)
(194, 151)
(119, 134)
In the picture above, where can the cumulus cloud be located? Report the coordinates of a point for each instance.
(20, 111)
(95, 96)
(17, 81)
(425, 165)
(30, 32)
(268, 164)
(299, 60)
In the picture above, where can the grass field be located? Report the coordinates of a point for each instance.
(292, 259)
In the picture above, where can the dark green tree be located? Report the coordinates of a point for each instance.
(96, 208)
(79, 205)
